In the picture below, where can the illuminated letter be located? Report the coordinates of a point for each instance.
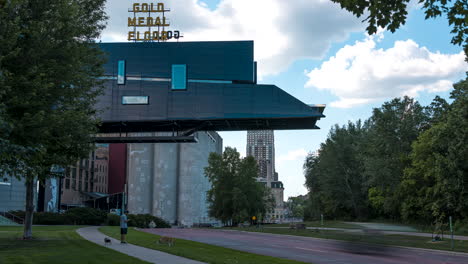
(131, 35)
(136, 7)
(176, 34)
(149, 22)
(144, 7)
(131, 22)
(155, 35)
(164, 35)
(164, 22)
(160, 7)
(147, 35)
(138, 36)
(141, 21)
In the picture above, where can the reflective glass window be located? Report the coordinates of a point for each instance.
(179, 77)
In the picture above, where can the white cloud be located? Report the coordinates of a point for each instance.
(298, 154)
(283, 31)
(361, 73)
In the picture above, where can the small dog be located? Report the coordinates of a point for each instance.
(170, 241)
(107, 241)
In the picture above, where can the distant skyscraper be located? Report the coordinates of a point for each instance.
(261, 146)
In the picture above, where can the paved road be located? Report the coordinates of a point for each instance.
(385, 232)
(312, 250)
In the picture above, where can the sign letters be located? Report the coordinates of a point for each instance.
(150, 16)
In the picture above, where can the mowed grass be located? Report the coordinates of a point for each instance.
(371, 238)
(195, 250)
(55, 244)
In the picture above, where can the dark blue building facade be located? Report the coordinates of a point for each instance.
(193, 86)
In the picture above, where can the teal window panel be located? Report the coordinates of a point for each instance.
(179, 77)
(121, 72)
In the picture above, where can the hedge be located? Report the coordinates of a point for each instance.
(74, 216)
(91, 216)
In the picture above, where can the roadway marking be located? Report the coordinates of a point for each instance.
(310, 249)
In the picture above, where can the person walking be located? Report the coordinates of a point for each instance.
(123, 227)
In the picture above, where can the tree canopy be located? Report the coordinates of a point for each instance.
(406, 162)
(392, 14)
(235, 195)
(49, 69)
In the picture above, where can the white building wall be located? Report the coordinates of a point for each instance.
(167, 179)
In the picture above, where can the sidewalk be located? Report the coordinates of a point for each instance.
(153, 256)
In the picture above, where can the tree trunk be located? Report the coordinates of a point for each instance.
(28, 218)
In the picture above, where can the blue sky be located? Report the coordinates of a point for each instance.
(320, 54)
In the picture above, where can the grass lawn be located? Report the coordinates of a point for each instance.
(395, 240)
(55, 244)
(331, 224)
(195, 250)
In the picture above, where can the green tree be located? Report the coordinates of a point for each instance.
(235, 195)
(335, 177)
(392, 14)
(393, 128)
(49, 69)
(436, 183)
(296, 206)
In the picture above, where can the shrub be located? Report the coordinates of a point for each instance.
(113, 220)
(85, 216)
(461, 227)
(143, 220)
(46, 218)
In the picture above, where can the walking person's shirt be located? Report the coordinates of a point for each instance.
(123, 221)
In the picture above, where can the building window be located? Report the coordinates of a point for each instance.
(67, 184)
(4, 181)
(179, 77)
(135, 100)
(121, 72)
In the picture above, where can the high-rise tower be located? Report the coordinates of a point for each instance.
(261, 146)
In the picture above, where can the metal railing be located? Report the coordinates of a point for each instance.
(12, 217)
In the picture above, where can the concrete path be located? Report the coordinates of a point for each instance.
(153, 256)
(313, 250)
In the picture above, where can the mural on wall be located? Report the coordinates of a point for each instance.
(51, 195)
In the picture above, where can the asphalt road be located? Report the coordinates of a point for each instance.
(405, 233)
(312, 250)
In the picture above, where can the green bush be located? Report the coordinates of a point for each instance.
(143, 220)
(74, 216)
(113, 220)
(45, 218)
(91, 216)
(461, 227)
(85, 216)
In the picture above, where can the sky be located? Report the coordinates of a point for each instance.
(320, 54)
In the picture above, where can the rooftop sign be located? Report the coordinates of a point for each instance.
(150, 16)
